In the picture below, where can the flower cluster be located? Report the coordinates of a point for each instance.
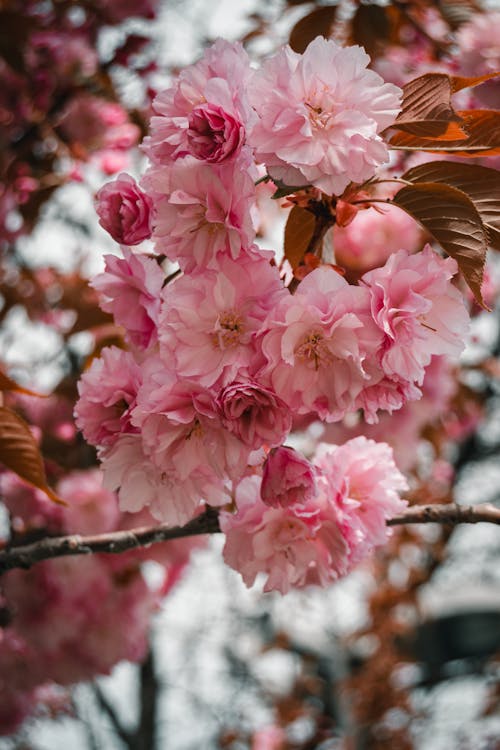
(224, 357)
(69, 619)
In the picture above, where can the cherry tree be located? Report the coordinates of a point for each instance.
(275, 396)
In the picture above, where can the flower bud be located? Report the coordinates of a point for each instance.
(124, 210)
(288, 478)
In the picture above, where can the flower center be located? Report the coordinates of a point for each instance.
(319, 117)
(228, 330)
(196, 430)
(314, 349)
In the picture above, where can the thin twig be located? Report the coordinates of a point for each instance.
(208, 523)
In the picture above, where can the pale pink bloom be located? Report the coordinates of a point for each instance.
(287, 479)
(69, 610)
(94, 123)
(170, 498)
(211, 321)
(254, 413)
(384, 393)
(201, 210)
(124, 210)
(294, 546)
(91, 508)
(402, 430)
(206, 111)
(180, 426)
(320, 115)
(363, 481)
(373, 235)
(107, 390)
(479, 53)
(418, 310)
(130, 289)
(317, 343)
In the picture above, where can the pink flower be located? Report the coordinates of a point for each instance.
(130, 289)
(320, 114)
(479, 53)
(206, 111)
(170, 497)
(214, 135)
(201, 211)
(107, 390)
(180, 426)
(364, 482)
(418, 310)
(254, 413)
(317, 343)
(124, 210)
(373, 236)
(294, 546)
(91, 508)
(288, 478)
(211, 321)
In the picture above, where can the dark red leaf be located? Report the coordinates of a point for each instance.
(481, 184)
(317, 23)
(299, 230)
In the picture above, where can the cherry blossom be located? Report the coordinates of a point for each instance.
(287, 479)
(124, 210)
(317, 343)
(320, 115)
(211, 321)
(130, 289)
(206, 112)
(201, 210)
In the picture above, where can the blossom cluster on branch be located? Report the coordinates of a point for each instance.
(223, 359)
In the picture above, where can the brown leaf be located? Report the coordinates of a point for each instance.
(426, 108)
(317, 23)
(481, 184)
(483, 137)
(460, 82)
(371, 28)
(299, 230)
(450, 216)
(19, 452)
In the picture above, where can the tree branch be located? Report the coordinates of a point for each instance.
(450, 514)
(113, 542)
(208, 523)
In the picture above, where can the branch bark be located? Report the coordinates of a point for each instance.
(208, 523)
(112, 543)
(450, 514)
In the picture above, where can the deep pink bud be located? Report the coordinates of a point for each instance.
(214, 135)
(288, 478)
(254, 413)
(124, 210)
